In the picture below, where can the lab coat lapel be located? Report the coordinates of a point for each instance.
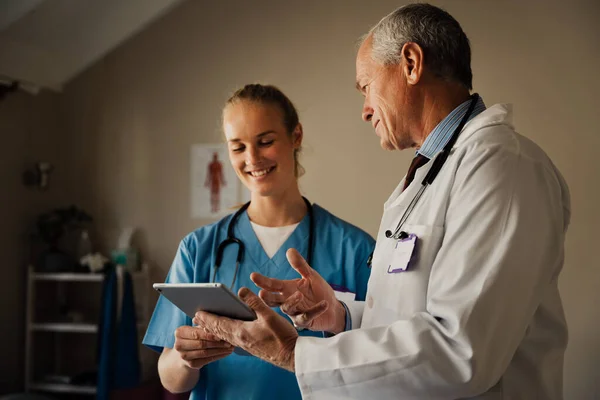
(495, 115)
(400, 198)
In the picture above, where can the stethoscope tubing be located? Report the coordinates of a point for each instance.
(231, 239)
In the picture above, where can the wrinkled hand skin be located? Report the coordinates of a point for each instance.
(309, 301)
(270, 337)
(196, 348)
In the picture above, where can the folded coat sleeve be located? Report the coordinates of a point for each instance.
(502, 245)
(356, 311)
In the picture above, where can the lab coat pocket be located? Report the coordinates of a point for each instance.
(395, 293)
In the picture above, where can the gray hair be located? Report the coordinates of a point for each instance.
(446, 48)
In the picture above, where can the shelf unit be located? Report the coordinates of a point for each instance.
(62, 388)
(141, 281)
(65, 327)
(66, 277)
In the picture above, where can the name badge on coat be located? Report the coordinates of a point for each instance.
(403, 253)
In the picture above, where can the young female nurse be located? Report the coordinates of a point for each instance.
(264, 137)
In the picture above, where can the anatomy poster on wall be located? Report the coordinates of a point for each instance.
(214, 185)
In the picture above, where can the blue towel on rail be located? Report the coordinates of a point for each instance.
(118, 359)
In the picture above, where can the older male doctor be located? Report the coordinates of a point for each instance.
(463, 300)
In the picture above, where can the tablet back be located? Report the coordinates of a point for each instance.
(210, 297)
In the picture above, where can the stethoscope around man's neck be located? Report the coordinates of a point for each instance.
(433, 172)
(231, 239)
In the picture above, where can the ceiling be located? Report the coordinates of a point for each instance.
(46, 43)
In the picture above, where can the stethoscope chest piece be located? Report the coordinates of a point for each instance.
(402, 235)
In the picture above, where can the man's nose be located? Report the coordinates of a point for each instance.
(367, 112)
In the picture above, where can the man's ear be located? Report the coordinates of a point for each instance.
(412, 55)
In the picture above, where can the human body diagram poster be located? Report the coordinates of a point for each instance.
(215, 188)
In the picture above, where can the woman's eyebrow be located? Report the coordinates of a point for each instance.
(259, 135)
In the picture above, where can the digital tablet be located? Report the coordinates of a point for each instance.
(214, 298)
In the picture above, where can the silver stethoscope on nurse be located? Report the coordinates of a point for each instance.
(437, 165)
(231, 239)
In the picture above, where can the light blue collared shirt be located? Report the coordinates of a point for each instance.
(441, 134)
(434, 143)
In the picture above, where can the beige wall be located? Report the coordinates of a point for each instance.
(134, 115)
(30, 132)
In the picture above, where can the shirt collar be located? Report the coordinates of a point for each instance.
(441, 134)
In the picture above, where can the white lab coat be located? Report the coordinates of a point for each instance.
(477, 314)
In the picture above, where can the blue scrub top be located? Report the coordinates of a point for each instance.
(341, 251)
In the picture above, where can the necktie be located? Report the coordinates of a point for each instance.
(417, 162)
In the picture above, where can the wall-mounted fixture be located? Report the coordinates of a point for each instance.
(38, 175)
